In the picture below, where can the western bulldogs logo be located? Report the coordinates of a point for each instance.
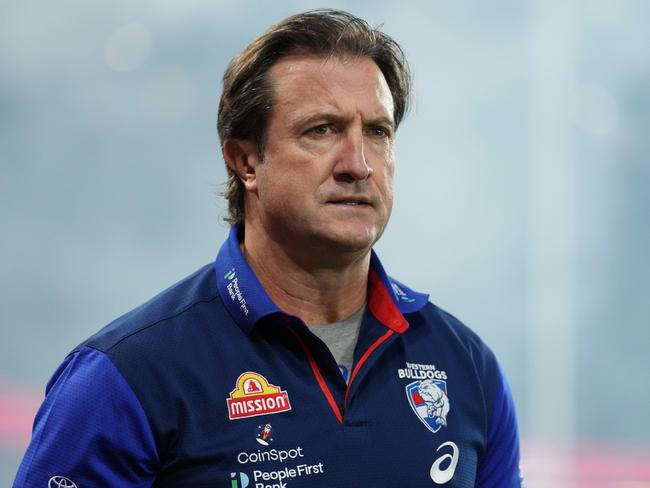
(428, 399)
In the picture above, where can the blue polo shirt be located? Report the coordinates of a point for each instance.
(210, 384)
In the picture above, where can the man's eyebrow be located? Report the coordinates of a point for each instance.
(318, 117)
(382, 121)
(327, 117)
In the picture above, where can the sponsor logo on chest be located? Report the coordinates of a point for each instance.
(254, 395)
(274, 468)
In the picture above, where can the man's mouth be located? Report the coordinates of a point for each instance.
(352, 201)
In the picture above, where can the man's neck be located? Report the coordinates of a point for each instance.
(315, 291)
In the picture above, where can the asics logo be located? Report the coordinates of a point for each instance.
(441, 475)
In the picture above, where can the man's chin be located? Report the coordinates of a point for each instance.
(349, 241)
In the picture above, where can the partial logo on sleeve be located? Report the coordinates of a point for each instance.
(60, 482)
(254, 395)
(427, 396)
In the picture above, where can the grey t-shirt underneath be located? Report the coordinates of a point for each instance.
(341, 338)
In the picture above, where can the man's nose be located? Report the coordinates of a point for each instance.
(352, 164)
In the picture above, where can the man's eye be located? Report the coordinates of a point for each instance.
(379, 132)
(321, 130)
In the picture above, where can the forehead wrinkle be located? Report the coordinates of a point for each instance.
(306, 92)
(304, 102)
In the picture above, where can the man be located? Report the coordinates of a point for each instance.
(293, 360)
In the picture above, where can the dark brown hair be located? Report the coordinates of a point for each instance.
(247, 98)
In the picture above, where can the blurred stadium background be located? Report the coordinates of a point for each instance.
(522, 194)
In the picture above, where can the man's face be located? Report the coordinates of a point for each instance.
(326, 178)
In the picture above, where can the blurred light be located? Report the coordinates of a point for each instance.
(128, 47)
(585, 465)
(18, 407)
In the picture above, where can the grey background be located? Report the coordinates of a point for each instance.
(521, 188)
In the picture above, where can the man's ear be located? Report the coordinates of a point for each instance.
(242, 158)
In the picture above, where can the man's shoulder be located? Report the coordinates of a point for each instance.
(452, 331)
(170, 307)
(455, 326)
(458, 348)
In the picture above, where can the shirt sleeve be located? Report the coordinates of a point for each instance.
(90, 431)
(500, 465)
